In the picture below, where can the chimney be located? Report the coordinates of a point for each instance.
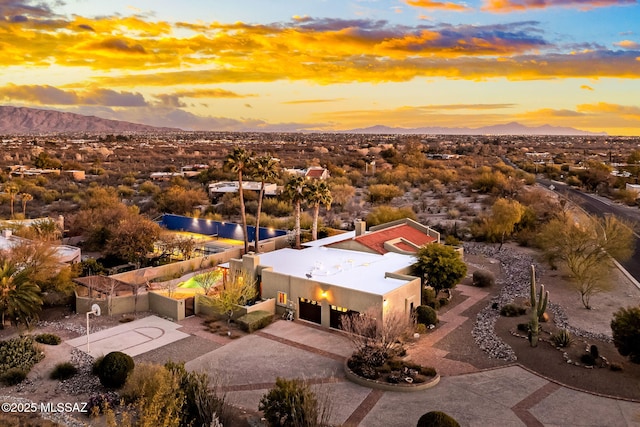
(361, 227)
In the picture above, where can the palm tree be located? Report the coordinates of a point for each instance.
(19, 297)
(11, 190)
(265, 168)
(25, 197)
(238, 161)
(318, 194)
(295, 190)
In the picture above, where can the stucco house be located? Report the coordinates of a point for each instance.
(345, 274)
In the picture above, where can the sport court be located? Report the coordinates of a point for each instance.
(132, 338)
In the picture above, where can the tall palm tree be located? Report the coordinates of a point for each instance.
(25, 197)
(295, 190)
(19, 297)
(11, 190)
(264, 168)
(238, 162)
(318, 194)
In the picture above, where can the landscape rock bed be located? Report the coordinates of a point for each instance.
(514, 284)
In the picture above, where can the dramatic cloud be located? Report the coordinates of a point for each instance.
(15, 10)
(430, 4)
(49, 95)
(502, 6)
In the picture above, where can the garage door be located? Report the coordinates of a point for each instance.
(310, 310)
(336, 316)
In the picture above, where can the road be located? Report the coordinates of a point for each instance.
(601, 206)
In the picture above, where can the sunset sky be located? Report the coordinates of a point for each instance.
(287, 65)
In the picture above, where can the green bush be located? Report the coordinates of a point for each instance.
(562, 338)
(114, 369)
(426, 315)
(512, 310)
(421, 328)
(429, 298)
(63, 371)
(95, 368)
(443, 301)
(20, 353)
(626, 332)
(253, 321)
(483, 278)
(13, 376)
(49, 339)
(437, 419)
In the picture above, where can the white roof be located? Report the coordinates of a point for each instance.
(361, 271)
(331, 239)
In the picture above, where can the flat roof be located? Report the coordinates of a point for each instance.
(347, 235)
(360, 271)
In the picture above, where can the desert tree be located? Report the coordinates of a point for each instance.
(238, 162)
(238, 290)
(505, 214)
(20, 298)
(367, 330)
(208, 280)
(264, 169)
(585, 245)
(24, 198)
(318, 194)
(295, 190)
(133, 239)
(439, 266)
(383, 214)
(12, 190)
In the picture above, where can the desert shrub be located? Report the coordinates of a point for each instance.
(292, 403)
(421, 328)
(203, 401)
(523, 327)
(13, 376)
(626, 332)
(594, 351)
(588, 359)
(21, 353)
(253, 321)
(483, 278)
(63, 371)
(114, 369)
(49, 339)
(437, 419)
(429, 298)
(426, 315)
(98, 403)
(562, 338)
(443, 301)
(155, 393)
(512, 310)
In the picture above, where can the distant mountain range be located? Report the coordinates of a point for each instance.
(22, 120)
(512, 128)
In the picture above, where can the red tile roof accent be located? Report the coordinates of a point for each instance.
(315, 173)
(375, 240)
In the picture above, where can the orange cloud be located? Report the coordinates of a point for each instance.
(628, 44)
(586, 87)
(430, 4)
(504, 6)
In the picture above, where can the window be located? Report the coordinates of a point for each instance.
(282, 298)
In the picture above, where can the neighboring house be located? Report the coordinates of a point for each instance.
(217, 189)
(316, 172)
(345, 274)
(66, 254)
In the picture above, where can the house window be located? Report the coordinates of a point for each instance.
(282, 298)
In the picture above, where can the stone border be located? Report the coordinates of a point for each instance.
(351, 376)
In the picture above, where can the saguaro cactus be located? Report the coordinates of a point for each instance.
(538, 307)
